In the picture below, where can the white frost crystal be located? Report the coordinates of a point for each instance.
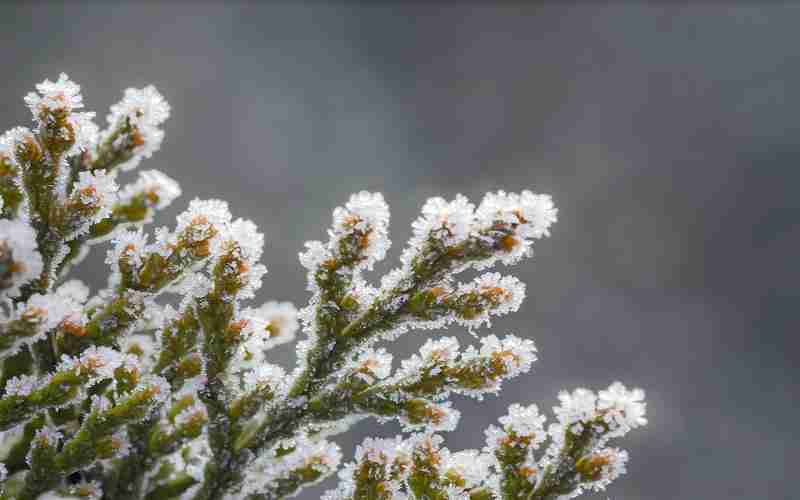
(96, 191)
(60, 94)
(622, 408)
(368, 214)
(471, 466)
(531, 216)
(524, 421)
(13, 139)
(145, 109)
(47, 311)
(153, 185)
(449, 221)
(18, 246)
(64, 95)
(202, 217)
(128, 244)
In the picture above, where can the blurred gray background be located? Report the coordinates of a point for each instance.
(668, 135)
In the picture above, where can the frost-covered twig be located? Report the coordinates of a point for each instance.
(129, 394)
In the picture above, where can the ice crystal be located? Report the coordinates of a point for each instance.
(18, 249)
(145, 110)
(96, 192)
(61, 94)
(155, 186)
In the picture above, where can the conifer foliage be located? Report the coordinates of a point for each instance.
(160, 385)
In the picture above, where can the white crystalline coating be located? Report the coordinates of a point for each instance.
(578, 406)
(165, 241)
(139, 351)
(74, 290)
(614, 465)
(272, 324)
(446, 420)
(518, 354)
(370, 209)
(255, 276)
(470, 465)
(131, 363)
(443, 350)
(387, 454)
(521, 422)
(620, 409)
(11, 139)
(384, 451)
(158, 387)
(46, 310)
(266, 376)
(246, 235)
(152, 183)
(514, 290)
(191, 387)
(320, 455)
(131, 244)
(21, 385)
(99, 362)
(193, 286)
(525, 421)
(530, 214)
(377, 363)
(191, 414)
(501, 295)
(450, 221)
(60, 94)
(91, 490)
(121, 443)
(282, 320)
(508, 291)
(253, 325)
(8, 145)
(86, 132)
(247, 243)
(201, 217)
(156, 316)
(367, 213)
(192, 461)
(534, 213)
(146, 109)
(314, 255)
(623, 409)
(97, 190)
(64, 94)
(18, 239)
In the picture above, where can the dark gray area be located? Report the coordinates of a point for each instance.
(668, 135)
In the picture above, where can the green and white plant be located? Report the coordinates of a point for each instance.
(120, 395)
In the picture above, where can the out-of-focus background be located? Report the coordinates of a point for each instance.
(668, 135)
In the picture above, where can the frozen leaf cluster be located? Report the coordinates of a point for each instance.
(160, 385)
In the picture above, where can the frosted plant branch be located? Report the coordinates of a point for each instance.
(160, 386)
